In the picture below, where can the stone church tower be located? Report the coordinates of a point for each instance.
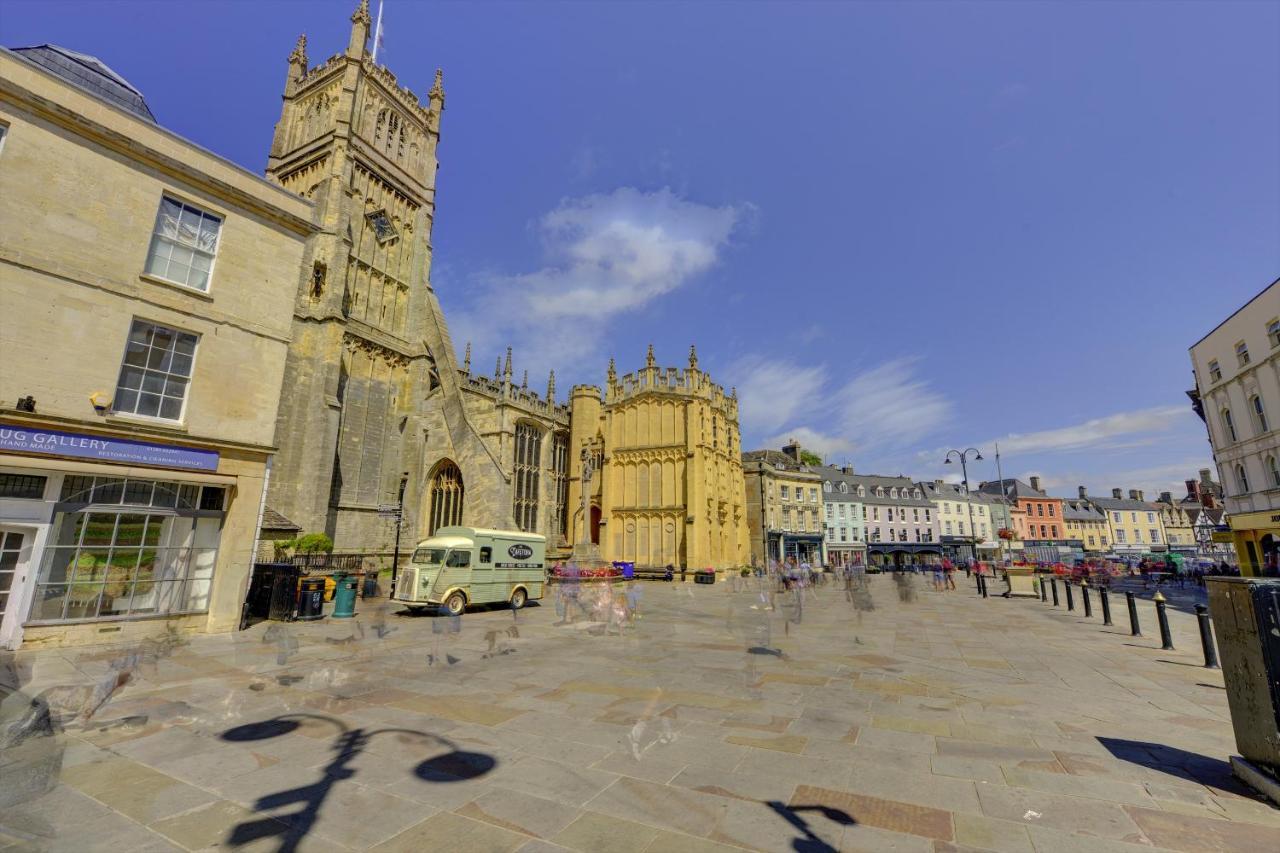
(373, 399)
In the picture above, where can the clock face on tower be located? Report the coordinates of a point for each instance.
(382, 227)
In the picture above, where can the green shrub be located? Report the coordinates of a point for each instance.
(313, 543)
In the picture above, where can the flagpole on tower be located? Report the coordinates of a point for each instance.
(377, 33)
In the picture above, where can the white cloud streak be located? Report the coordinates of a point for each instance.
(884, 408)
(1141, 426)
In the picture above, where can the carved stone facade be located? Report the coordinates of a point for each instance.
(668, 452)
(373, 397)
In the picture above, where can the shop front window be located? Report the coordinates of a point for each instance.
(125, 548)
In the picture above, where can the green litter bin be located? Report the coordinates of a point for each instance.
(344, 597)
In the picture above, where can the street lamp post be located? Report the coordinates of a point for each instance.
(963, 456)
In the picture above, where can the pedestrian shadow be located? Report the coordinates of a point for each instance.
(810, 843)
(1180, 763)
(290, 829)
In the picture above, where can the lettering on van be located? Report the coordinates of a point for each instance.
(517, 565)
(520, 551)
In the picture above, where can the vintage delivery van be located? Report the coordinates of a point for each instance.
(459, 566)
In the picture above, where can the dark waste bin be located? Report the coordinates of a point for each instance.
(344, 597)
(704, 576)
(311, 599)
(370, 588)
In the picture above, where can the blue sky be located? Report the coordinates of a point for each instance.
(896, 227)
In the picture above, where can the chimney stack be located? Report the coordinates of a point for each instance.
(1206, 476)
(1117, 494)
(1083, 492)
(1135, 495)
(1193, 489)
(1166, 497)
(792, 449)
(846, 469)
(1035, 483)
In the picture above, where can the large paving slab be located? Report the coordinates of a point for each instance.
(935, 722)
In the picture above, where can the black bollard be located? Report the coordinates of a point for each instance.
(1044, 591)
(1071, 601)
(1084, 593)
(1106, 605)
(1053, 587)
(1166, 638)
(1133, 615)
(982, 579)
(1206, 638)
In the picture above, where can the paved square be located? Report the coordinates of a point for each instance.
(936, 721)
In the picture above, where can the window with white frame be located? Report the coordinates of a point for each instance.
(1215, 371)
(156, 371)
(1275, 472)
(183, 244)
(1242, 353)
(1259, 414)
(1242, 479)
(1273, 332)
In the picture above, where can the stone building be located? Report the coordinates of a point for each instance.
(144, 328)
(965, 526)
(1237, 394)
(374, 402)
(667, 478)
(1179, 533)
(784, 510)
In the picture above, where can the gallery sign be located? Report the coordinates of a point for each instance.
(49, 442)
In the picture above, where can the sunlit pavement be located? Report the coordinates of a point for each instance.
(942, 722)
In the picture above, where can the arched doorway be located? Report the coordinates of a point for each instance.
(595, 525)
(447, 494)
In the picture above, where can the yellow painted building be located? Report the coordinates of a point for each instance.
(1134, 524)
(665, 446)
(1086, 524)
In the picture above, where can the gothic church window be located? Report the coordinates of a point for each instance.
(559, 474)
(528, 457)
(446, 497)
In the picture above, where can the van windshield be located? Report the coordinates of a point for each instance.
(428, 556)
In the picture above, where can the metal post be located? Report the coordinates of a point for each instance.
(1044, 591)
(1084, 593)
(1206, 638)
(1106, 605)
(983, 580)
(1071, 602)
(1053, 587)
(1166, 638)
(395, 554)
(1133, 615)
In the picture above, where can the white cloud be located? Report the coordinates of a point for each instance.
(884, 408)
(1122, 429)
(772, 392)
(607, 254)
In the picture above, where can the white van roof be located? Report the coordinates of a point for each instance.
(462, 537)
(486, 531)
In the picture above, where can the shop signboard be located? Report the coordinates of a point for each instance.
(47, 442)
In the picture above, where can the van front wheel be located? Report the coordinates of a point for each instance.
(455, 604)
(518, 598)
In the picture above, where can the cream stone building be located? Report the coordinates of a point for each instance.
(665, 449)
(1237, 393)
(375, 405)
(784, 506)
(146, 288)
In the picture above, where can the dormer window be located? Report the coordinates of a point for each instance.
(383, 230)
(826, 487)
(844, 488)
